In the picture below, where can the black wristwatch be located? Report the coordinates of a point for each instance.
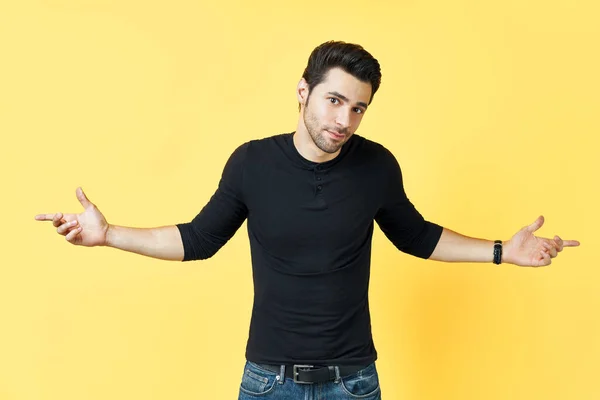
(497, 251)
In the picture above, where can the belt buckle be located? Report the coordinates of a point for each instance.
(295, 368)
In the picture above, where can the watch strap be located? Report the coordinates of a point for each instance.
(497, 252)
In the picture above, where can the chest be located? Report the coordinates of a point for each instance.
(316, 209)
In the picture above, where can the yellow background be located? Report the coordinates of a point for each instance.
(491, 107)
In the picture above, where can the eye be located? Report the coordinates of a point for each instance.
(358, 110)
(333, 100)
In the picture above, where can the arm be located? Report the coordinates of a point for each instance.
(220, 219)
(398, 218)
(454, 247)
(199, 239)
(524, 248)
(163, 242)
(412, 234)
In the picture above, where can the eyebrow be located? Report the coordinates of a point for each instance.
(341, 96)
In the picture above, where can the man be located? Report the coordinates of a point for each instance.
(311, 198)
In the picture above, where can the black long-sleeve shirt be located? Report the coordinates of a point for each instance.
(310, 227)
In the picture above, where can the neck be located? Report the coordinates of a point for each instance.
(307, 147)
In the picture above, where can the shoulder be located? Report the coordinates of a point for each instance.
(374, 151)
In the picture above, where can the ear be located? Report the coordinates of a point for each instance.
(302, 91)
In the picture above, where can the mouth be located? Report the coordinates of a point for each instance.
(335, 135)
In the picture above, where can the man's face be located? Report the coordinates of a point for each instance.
(334, 108)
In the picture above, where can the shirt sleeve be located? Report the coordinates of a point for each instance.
(221, 217)
(399, 220)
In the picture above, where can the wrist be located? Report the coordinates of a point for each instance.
(505, 252)
(109, 236)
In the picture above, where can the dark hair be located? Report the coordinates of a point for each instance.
(352, 58)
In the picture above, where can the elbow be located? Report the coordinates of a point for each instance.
(200, 247)
(198, 251)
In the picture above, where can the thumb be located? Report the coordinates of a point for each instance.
(537, 224)
(82, 198)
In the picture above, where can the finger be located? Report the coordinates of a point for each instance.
(57, 219)
(44, 217)
(64, 228)
(72, 236)
(82, 198)
(554, 245)
(546, 259)
(559, 242)
(551, 248)
(571, 243)
(537, 224)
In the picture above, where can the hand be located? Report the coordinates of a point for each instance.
(528, 250)
(86, 229)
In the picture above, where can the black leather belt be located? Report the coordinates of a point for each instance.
(312, 374)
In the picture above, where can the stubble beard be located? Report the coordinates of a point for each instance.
(317, 135)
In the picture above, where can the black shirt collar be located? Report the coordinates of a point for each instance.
(311, 165)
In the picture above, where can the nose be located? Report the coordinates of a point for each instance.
(342, 119)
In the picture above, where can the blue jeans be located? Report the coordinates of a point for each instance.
(258, 383)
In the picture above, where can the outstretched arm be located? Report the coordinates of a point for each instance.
(198, 239)
(524, 248)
